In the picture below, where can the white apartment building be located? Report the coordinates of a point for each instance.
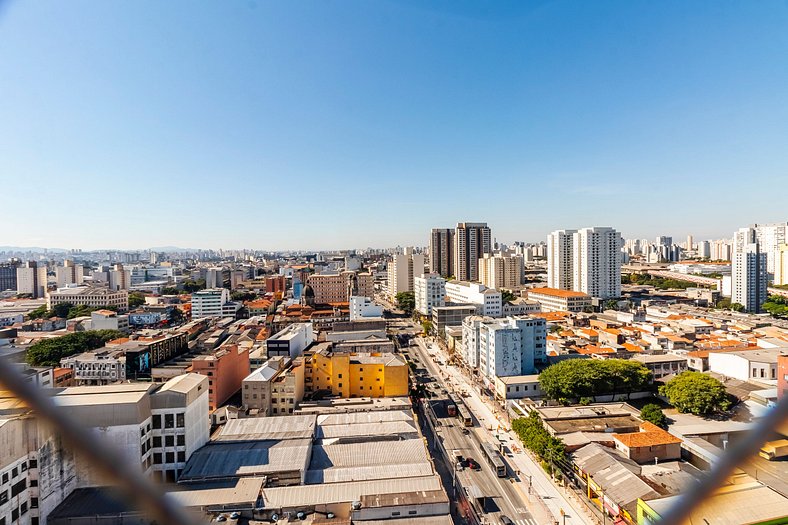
(781, 265)
(109, 320)
(747, 365)
(402, 269)
(506, 347)
(91, 296)
(501, 271)
(597, 262)
(143, 274)
(291, 341)
(560, 253)
(100, 367)
(471, 241)
(32, 279)
(470, 338)
(487, 301)
(721, 250)
(704, 249)
(69, 273)
(179, 415)
(364, 308)
(770, 237)
(429, 291)
(749, 271)
(554, 300)
(209, 302)
(214, 278)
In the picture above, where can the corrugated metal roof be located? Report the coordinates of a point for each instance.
(368, 453)
(374, 416)
(617, 482)
(275, 427)
(246, 491)
(368, 472)
(225, 460)
(385, 428)
(303, 495)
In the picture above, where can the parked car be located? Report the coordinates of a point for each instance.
(505, 520)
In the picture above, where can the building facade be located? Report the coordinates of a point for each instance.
(587, 260)
(91, 296)
(749, 275)
(555, 300)
(508, 347)
(209, 302)
(32, 279)
(442, 251)
(487, 301)
(501, 271)
(401, 271)
(471, 241)
(429, 291)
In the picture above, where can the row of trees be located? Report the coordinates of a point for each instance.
(537, 439)
(659, 283)
(66, 310)
(777, 306)
(49, 352)
(406, 301)
(582, 380)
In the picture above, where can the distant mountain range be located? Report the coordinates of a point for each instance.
(38, 249)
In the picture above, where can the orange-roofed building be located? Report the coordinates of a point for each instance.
(588, 333)
(551, 317)
(556, 300)
(596, 350)
(630, 347)
(650, 444)
(258, 306)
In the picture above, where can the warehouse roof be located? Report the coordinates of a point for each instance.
(237, 459)
(275, 427)
(366, 429)
(244, 494)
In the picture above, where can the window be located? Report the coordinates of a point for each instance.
(157, 441)
(180, 440)
(339, 376)
(169, 421)
(179, 420)
(157, 458)
(33, 482)
(169, 441)
(181, 457)
(157, 421)
(18, 487)
(24, 508)
(14, 514)
(5, 477)
(3, 497)
(14, 472)
(170, 457)
(339, 385)
(33, 463)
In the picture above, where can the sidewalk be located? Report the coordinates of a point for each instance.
(543, 490)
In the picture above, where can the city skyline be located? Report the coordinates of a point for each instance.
(204, 126)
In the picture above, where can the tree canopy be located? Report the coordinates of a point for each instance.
(573, 379)
(660, 283)
(653, 414)
(406, 301)
(696, 393)
(136, 299)
(242, 295)
(49, 352)
(776, 305)
(537, 439)
(190, 286)
(507, 296)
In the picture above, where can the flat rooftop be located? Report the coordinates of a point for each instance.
(274, 427)
(225, 460)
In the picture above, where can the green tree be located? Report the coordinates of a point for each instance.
(736, 307)
(406, 301)
(176, 316)
(723, 304)
(573, 379)
(62, 310)
(242, 295)
(611, 304)
(190, 286)
(426, 325)
(507, 296)
(136, 299)
(535, 437)
(49, 352)
(170, 290)
(653, 414)
(39, 313)
(776, 305)
(696, 393)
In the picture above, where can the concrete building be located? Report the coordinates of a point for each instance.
(401, 271)
(32, 279)
(8, 275)
(650, 445)
(91, 296)
(179, 414)
(350, 375)
(364, 308)
(747, 365)
(517, 387)
(587, 260)
(555, 300)
(501, 271)
(704, 249)
(69, 273)
(103, 366)
(276, 388)
(487, 301)
(213, 302)
(429, 291)
(442, 251)
(291, 341)
(109, 320)
(749, 271)
(214, 278)
(226, 369)
(770, 237)
(327, 288)
(118, 278)
(443, 316)
(663, 365)
(597, 262)
(781, 265)
(507, 347)
(471, 241)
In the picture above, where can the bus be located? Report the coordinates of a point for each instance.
(494, 459)
(464, 414)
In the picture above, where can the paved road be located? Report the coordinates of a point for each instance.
(544, 494)
(503, 497)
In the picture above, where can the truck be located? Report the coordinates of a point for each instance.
(451, 409)
(774, 450)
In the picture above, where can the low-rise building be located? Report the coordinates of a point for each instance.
(443, 316)
(747, 365)
(650, 444)
(91, 296)
(663, 365)
(487, 301)
(291, 341)
(109, 320)
(364, 308)
(429, 291)
(226, 369)
(357, 375)
(555, 300)
(276, 388)
(517, 387)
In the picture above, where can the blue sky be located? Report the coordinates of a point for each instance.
(339, 124)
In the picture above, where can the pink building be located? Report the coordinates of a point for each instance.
(226, 369)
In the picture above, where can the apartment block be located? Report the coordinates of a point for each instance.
(471, 241)
(402, 269)
(429, 291)
(213, 302)
(487, 301)
(501, 271)
(441, 251)
(350, 375)
(69, 273)
(291, 341)
(749, 275)
(226, 369)
(32, 279)
(92, 296)
(327, 288)
(506, 347)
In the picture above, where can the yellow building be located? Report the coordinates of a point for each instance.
(358, 374)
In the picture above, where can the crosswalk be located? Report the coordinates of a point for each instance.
(526, 521)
